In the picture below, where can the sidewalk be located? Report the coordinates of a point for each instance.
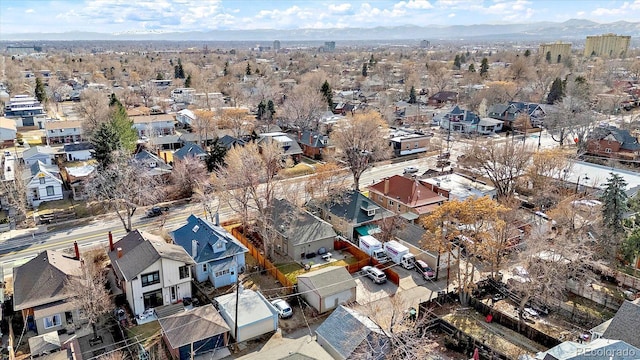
(18, 233)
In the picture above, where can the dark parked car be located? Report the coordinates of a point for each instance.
(157, 211)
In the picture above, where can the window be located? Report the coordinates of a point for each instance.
(43, 180)
(398, 206)
(607, 150)
(184, 271)
(390, 202)
(222, 272)
(219, 245)
(415, 146)
(371, 212)
(204, 267)
(50, 191)
(195, 228)
(150, 279)
(52, 321)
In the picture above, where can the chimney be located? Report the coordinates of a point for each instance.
(110, 241)
(159, 153)
(310, 138)
(194, 248)
(165, 157)
(119, 252)
(217, 219)
(77, 250)
(386, 185)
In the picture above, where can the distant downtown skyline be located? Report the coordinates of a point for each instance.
(117, 16)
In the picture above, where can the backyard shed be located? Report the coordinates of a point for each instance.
(327, 288)
(256, 316)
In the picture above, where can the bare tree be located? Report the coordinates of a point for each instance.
(328, 179)
(303, 107)
(360, 141)
(204, 124)
(572, 117)
(94, 109)
(89, 293)
(238, 120)
(15, 191)
(439, 76)
(123, 187)
(501, 163)
(187, 175)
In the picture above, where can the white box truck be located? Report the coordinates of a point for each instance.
(400, 254)
(373, 248)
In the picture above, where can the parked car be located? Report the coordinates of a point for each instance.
(157, 211)
(410, 170)
(284, 310)
(423, 269)
(374, 274)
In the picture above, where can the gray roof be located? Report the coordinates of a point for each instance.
(622, 136)
(345, 330)
(44, 151)
(207, 235)
(252, 307)
(299, 227)
(140, 250)
(78, 147)
(599, 349)
(350, 207)
(624, 326)
(191, 326)
(42, 280)
(166, 139)
(330, 280)
(189, 150)
(44, 344)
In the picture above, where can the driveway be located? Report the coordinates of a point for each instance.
(367, 291)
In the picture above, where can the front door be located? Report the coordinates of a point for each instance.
(174, 293)
(153, 299)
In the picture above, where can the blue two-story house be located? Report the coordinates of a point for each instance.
(218, 256)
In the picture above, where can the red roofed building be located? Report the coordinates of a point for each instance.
(403, 195)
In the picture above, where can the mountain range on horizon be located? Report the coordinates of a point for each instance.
(574, 29)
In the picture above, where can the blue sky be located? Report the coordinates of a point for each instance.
(112, 16)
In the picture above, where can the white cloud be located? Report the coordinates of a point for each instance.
(414, 4)
(624, 9)
(340, 8)
(451, 15)
(29, 11)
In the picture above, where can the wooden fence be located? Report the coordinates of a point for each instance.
(266, 265)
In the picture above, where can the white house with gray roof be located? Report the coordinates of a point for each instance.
(43, 184)
(327, 288)
(150, 271)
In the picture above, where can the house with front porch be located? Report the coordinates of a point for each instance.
(43, 184)
(612, 142)
(40, 291)
(465, 121)
(217, 255)
(63, 132)
(150, 271)
(510, 112)
(314, 144)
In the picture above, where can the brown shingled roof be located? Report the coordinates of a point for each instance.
(410, 192)
(69, 124)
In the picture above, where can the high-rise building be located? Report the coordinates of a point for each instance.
(276, 45)
(610, 45)
(425, 43)
(557, 51)
(329, 46)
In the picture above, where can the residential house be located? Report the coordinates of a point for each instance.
(8, 132)
(63, 132)
(156, 164)
(299, 233)
(44, 154)
(352, 214)
(403, 195)
(284, 348)
(289, 146)
(26, 111)
(194, 332)
(314, 144)
(168, 142)
(347, 334)
(407, 113)
(183, 95)
(189, 138)
(624, 324)
(230, 142)
(190, 150)
(150, 271)
(78, 151)
(601, 349)
(407, 142)
(75, 177)
(40, 291)
(43, 184)
(443, 98)
(154, 125)
(344, 108)
(185, 117)
(139, 111)
(217, 255)
(464, 121)
(327, 288)
(510, 112)
(258, 130)
(458, 187)
(612, 142)
(254, 313)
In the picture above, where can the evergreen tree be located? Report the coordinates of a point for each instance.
(484, 67)
(247, 71)
(40, 92)
(472, 68)
(113, 100)
(327, 93)
(364, 70)
(463, 59)
(527, 53)
(262, 110)
(271, 109)
(412, 95)
(548, 56)
(225, 71)
(123, 126)
(105, 142)
(559, 58)
(556, 93)
(187, 81)
(215, 156)
(614, 203)
(456, 62)
(372, 61)
(178, 71)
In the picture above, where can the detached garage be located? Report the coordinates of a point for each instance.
(327, 288)
(200, 330)
(256, 316)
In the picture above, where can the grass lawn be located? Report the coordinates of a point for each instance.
(145, 331)
(82, 208)
(298, 170)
